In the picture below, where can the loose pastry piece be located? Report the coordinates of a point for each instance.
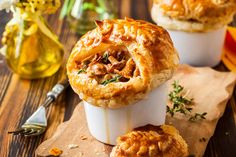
(164, 142)
(120, 61)
(193, 15)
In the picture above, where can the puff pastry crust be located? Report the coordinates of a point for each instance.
(118, 62)
(193, 15)
(164, 142)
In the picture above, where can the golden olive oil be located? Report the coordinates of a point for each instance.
(30, 51)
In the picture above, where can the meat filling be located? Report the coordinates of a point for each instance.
(112, 66)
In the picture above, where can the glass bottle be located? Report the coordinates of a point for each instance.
(30, 47)
(81, 14)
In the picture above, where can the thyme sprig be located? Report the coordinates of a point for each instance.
(182, 104)
(81, 71)
(198, 116)
(84, 67)
(115, 79)
(179, 101)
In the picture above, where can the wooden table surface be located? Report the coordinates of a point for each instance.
(20, 98)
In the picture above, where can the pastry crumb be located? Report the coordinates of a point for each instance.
(82, 137)
(80, 154)
(55, 152)
(97, 152)
(72, 146)
(227, 133)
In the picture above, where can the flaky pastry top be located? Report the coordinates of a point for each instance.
(121, 60)
(164, 142)
(208, 12)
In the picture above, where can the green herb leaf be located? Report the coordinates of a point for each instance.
(181, 104)
(179, 101)
(198, 116)
(115, 79)
(170, 111)
(85, 64)
(105, 57)
(81, 71)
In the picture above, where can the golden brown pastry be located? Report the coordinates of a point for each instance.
(164, 142)
(193, 15)
(118, 62)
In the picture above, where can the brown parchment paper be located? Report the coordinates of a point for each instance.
(209, 88)
(210, 91)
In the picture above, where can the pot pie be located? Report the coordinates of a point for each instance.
(193, 15)
(120, 61)
(164, 142)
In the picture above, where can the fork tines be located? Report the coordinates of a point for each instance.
(28, 131)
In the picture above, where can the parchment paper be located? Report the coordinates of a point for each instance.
(210, 91)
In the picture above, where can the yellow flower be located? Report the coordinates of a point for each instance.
(42, 6)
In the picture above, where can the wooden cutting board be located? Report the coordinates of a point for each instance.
(74, 139)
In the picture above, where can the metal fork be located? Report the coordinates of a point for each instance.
(36, 124)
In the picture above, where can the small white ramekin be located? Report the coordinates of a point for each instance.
(199, 48)
(107, 124)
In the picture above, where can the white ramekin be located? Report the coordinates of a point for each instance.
(107, 124)
(199, 49)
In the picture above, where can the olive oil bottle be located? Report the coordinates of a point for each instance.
(30, 47)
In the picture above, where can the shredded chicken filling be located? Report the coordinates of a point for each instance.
(112, 66)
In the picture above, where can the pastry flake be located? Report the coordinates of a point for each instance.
(55, 151)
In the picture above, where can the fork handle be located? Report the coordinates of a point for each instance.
(55, 92)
